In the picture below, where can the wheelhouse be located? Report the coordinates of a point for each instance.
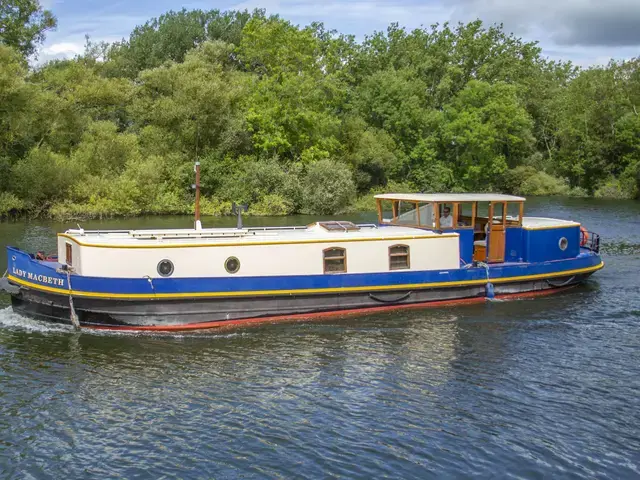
(482, 220)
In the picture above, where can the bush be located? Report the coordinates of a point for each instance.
(612, 189)
(171, 203)
(272, 205)
(630, 180)
(513, 179)
(367, 202)
(328, 187)
(212, 206)
(578, 192)
(256, 180)
(542, 183)
(10, 204)
(43, 177)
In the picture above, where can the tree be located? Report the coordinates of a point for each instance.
(171, 36)
(486, 132)
(23, 24)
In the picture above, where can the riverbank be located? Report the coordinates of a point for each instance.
(269, 206)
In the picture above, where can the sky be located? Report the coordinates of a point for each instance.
(587, 32)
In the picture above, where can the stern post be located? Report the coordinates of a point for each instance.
(197, 224)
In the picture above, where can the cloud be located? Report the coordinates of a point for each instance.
(63, 48)
(359, 17)
(614, 23)
(584, 31)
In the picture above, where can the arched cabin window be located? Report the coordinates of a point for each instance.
(399, 257)
(335, 260)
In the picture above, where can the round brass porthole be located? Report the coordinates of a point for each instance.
(165, 268)
(232, 265)
(563, 243)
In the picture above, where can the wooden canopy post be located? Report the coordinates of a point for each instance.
(197, 187)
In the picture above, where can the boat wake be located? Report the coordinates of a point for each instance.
(620, 248)
(12, 321)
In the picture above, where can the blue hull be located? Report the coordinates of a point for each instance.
(43, 291)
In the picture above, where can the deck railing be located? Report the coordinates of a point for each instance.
(593, 242)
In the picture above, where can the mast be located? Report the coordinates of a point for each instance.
(198, 225)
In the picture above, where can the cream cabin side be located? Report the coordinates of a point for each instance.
(70, 254)
(345, 254)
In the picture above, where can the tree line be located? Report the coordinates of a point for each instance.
(301, 119)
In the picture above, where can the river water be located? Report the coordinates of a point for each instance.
(547, 387)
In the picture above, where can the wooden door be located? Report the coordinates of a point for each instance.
(497, 227)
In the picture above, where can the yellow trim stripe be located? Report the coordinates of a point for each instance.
(248, 244)
(138, 296)
(552, 227)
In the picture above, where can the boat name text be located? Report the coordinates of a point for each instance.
(38, 278)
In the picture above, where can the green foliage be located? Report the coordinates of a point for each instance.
(541, 183)
(293, 120)
(212, 206)
(486, 131)
(171, 36)
(272, 204)
(328, 187)
(10, 204)
(261, 185)
(613, 188)
(367, 202)
(43, 177)
(23, 24)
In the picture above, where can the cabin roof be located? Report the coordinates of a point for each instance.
(314, 233)
(450, 197)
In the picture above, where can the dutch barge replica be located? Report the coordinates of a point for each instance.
(425, 249)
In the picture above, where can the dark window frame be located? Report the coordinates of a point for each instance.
(406, 255)
(342, 257)
(68, 254)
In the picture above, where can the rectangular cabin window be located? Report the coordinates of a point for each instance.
(465, 215)
(445, 216)
(498, 213)
(407, 213)
(385, 211)
(69, 254)
(513, 214)
(482, 218)
(335, 260)
(426, 215)
(399, 257)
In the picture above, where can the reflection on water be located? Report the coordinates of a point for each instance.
(536, 388)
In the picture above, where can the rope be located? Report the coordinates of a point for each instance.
(486, 267)
(74, 317)
(396, 300)
(489, 292)
(567, 282)
(5, 273)
(150, 280)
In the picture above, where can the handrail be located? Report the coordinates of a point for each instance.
(593, 242)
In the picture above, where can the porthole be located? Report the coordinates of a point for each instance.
(165, 268)
(232, 264)
(563, 243)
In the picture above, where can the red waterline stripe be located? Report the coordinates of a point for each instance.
(319, 315)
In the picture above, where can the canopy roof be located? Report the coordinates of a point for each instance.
(450, 197)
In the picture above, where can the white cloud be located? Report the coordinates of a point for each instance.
(64, 48)
(565, 22)
(362, 16)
